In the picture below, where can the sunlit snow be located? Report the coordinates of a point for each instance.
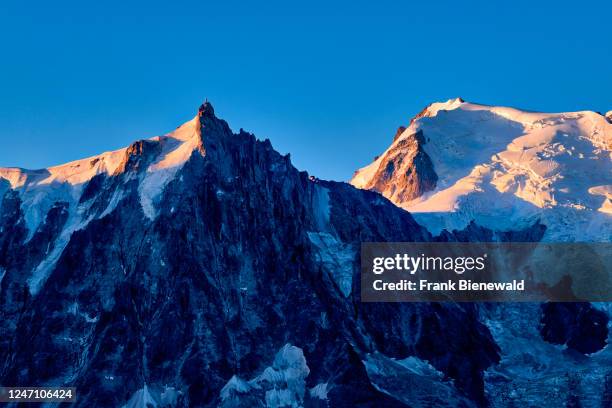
(504, 167)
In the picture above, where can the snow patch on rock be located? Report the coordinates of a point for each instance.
(45, 267)
(141, 399)
(177, 148)
(413, 382)
(319, 391)
(283, 384)
(236, 385)
(336, 257)
(153, 397)
(321, 205)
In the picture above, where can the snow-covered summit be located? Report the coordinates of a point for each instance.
(151, 163)
(40, 189)
(502, 167)
(92, 188)
(433, 109)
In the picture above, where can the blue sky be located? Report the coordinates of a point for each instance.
(328, 82)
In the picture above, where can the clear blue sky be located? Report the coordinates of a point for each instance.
(328, 82)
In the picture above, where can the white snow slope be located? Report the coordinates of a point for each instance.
(40, 189)
(505, 168)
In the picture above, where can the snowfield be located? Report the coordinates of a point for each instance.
(506, 168)
(39, 190)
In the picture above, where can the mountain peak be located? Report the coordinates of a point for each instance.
(450, 104)
(499, 166)
(206, 110)
(432, 109)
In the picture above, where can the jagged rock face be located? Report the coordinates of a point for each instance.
(135, 295)
(577, 325)
(405, 172)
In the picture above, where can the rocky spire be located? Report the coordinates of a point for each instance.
(206, 110)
